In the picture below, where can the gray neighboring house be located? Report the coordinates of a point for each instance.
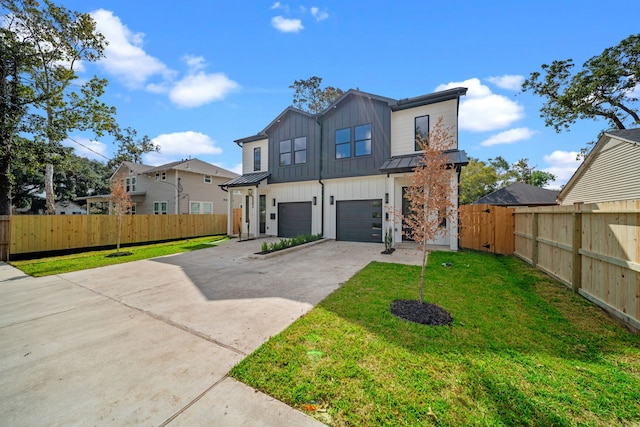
(189, 186)
(520, 194)
(610, 172)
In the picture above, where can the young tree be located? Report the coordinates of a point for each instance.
(308, 96)
(604, 88)
(56, 40)
(121, 202)
(429, 194)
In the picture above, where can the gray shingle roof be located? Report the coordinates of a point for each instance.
(628, 134)
(519, 193)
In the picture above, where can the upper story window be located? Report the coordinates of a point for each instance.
(285, 152)
(157, 176)
(422, 131)
(343, 143)
(130, 184)
(163, 176)
(256, 159)
(207, 179)
(300, 150)
(362, 140)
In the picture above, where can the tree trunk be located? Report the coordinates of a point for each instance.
(48, 190)
(5, 186)
(425, 260)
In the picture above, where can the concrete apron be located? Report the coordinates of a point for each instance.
(151, 342)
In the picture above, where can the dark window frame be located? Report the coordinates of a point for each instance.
(296, 150)
(356, 140)
(257, 159)
(284, 153)
(342, 143)
(417, 134)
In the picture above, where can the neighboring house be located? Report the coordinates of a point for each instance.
(183, 187)
(610, 172)
(342, 172)
(67, 207)
(520, 194)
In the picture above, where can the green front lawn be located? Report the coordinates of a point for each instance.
(82, 261)
(523, 350)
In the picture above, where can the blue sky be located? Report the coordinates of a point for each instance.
(195, 76)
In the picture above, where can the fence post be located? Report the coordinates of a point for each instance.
(5, 237)
(576, 262)
(534, 242)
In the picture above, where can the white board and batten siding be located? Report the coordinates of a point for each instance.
(361, 188)
(613, 174)
(403, 125)
(247, 156)
(294, 192)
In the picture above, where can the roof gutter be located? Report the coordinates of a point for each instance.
(320, 180)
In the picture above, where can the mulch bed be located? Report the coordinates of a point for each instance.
(423, 313)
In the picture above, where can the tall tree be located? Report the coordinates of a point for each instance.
(429, 194)
(129, 148)
(60, 39)
(308, 96)
(605, 87)
(477, 179)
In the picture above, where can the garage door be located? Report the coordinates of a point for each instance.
(294, 219)
(359, 220)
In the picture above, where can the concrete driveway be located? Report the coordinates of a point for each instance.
(151, 342)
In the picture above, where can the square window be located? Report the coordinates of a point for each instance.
(285, 152)
(207, 179)
(300, 150)
(343, 143)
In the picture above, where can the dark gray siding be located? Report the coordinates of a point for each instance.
(355, 111)
(295, 125)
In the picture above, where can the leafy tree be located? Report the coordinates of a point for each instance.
(521, 172)
(429, 194)
(477, 179)
(308, 96)
(542, 178)
(130, 149)
(58, 40)
(604, 88)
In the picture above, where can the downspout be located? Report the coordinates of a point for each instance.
(321, 183)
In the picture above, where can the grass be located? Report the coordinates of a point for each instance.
(81, 261)
(523, 350)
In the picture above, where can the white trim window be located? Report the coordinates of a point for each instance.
(201, 208)
(130, 184)
(159, 208)
(207, 179)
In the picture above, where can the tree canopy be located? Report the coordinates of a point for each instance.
(606, 87)
(480, 178)
(46, 43)
(309, 97)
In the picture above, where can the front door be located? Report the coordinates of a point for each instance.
(263, 214)
(406, 210)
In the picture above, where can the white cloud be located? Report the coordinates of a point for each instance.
(180, 145)
(562, 164)
(84, 147)
(320, 15)
(276, 5)
(199, 88)
(237, 169)
(124, 55)
(510, 82)
(286, 25)
(481, 110)
(508, 137)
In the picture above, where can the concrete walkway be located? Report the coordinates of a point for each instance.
(151, 342)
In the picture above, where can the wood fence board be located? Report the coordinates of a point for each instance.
(487, 228)
(43, 233)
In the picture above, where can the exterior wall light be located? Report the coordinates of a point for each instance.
(330, 200)
(315, 200)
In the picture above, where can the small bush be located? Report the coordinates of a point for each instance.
(289, 243)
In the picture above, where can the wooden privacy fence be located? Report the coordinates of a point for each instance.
(594, 249)
(42, 233)
(487, 228)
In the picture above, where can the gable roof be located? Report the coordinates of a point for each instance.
(394, 104)
(189, 165)
(630, 136)
(519, 193)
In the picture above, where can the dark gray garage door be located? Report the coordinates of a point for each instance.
(294, 219)
(359, 220)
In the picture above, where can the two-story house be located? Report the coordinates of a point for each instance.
(341, 172)
(183, 187)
